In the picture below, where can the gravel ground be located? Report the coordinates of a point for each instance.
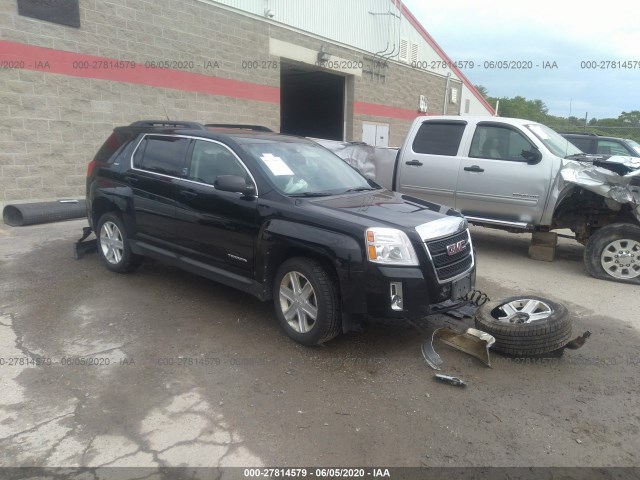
(188, 372)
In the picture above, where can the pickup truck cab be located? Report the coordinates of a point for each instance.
(279, 217)
(520, 175)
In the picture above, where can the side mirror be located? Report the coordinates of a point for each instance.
(234, 183)
(532, 156)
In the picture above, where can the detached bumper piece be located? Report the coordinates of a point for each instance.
(451, 380)
(472, 342)
(83, 246)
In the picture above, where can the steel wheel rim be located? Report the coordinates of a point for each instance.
(525, 310)
(298, 302)
(111, 243)
(621, 259)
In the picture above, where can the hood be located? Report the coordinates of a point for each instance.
(385, 208)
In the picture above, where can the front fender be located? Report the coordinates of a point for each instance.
(281, 239)
(555, 200)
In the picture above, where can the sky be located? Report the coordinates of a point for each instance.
(566, 32)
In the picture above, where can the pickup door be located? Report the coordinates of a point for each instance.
(478, 168)
(430, 163)
(496, 182)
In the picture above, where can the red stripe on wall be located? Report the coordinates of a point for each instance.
(28, 57)
(378, 110)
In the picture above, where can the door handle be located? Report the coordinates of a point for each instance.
(415, 163)
(131, 179)
(474, 168)
(188, 193)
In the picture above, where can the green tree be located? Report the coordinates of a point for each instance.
(631, 119)
(626, 125)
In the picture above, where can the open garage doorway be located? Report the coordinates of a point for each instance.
(311, 102)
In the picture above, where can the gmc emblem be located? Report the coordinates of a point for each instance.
(456, 247)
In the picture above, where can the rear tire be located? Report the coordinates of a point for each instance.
(613, 253)
(113, 245)
(548, 328)
(306, 301)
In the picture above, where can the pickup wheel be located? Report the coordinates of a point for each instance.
(306, 301)
(113, 245)
(613, 253)
(525, 326)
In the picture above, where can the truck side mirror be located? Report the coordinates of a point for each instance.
(532, 156)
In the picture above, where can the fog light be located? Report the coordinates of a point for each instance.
(395, 291)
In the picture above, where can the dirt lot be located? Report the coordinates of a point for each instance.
(193, 373)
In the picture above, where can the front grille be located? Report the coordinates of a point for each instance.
(450, 266)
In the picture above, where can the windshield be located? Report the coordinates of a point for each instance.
(556, 143)
(634, 145)
(306, 169)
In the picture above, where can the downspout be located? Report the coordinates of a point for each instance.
(446, 92)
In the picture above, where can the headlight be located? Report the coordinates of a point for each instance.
(621, 195)
(389, 246)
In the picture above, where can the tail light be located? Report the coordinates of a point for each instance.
(90, 167)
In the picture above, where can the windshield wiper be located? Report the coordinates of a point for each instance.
(579, 155)
(360, 189)
(310, 194)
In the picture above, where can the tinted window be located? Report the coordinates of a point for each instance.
(210, 160)
(498, 143)
(582, 143)
(164, 155)
(438, 138)
(116, 140)
(611, 147)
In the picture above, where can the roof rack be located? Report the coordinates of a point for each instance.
(255, 128)
(167, 123)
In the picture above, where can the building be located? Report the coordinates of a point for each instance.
(74, 69)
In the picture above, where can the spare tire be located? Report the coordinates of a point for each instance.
(525, 325)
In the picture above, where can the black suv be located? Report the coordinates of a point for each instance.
(277, 216)
(599, 145)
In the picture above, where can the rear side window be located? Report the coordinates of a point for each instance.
(116, 140)
(583, 144)
(438, 138)
(164, 155)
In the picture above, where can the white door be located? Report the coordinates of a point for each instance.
(376, 134)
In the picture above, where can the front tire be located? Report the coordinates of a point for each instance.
(613, 253)
(306, 301)
(113, 245)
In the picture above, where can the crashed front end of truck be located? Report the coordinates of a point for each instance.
(615, 178)
(598, 198)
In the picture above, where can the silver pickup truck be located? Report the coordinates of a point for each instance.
(519, 175)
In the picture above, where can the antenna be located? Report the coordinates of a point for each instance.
(165, 112)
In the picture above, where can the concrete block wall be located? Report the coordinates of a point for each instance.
(51, 124)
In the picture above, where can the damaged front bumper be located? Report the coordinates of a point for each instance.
(615, 178)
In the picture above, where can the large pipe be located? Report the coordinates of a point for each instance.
(43, 212)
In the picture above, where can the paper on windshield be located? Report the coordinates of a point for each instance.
(276, 165)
